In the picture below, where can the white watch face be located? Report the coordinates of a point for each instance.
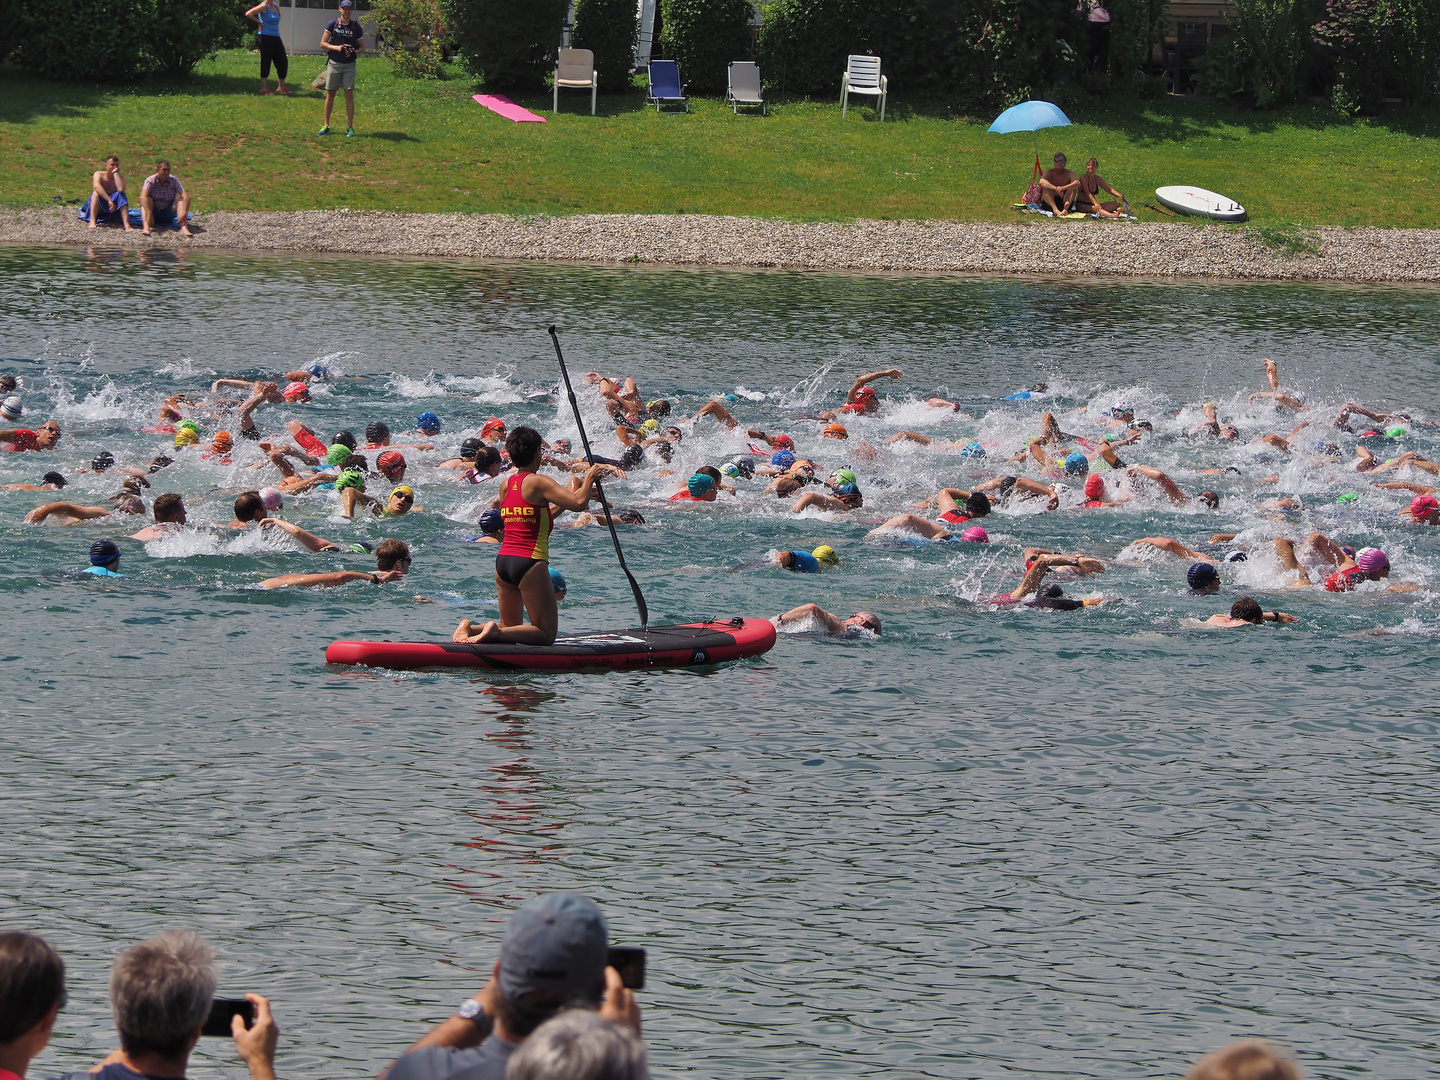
(469, 1009)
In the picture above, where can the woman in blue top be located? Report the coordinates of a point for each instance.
(272, 49)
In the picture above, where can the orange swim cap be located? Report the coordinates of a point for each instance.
(835, 431)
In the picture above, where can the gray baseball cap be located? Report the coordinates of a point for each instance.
(556, 945)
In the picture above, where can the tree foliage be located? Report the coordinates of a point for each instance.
(611, 30)
(703, 36)
(412, 34)
(510, 44)
(123, 40)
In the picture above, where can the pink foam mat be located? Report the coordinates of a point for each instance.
(499, 103)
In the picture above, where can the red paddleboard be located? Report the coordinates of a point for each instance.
(688, 645)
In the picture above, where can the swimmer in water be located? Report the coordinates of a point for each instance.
(1352, 567)
(806, 562)
(845, 495)
(1039, 563)
(1213, 427)
(42, 438)
(522, 572)
(51, 481)
(1280, 399)
(104, 559)
(856, 625)
(392, 562)
(1172, 546)
(73, 514)
(861, 399)
(170, 517)
(308, 539)
(1247, 612)
(399, 502)
(622, 516)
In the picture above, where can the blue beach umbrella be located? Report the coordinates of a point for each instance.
(1030, 116)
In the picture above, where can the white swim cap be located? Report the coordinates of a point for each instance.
(11, 408)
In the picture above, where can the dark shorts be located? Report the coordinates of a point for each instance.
(511, 568)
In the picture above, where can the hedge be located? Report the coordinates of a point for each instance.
(510, 44)
(703, 36)
(610, 29)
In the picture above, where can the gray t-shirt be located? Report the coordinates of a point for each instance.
(485, 1062)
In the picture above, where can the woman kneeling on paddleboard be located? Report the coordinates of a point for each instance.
(522, 569)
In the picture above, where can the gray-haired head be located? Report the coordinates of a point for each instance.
(160, 992)
(578, 1045)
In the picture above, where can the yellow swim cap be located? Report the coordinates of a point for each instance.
(825, 555)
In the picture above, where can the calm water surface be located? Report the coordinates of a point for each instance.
(991, 843)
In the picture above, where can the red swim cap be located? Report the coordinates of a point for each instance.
(493, 424)
(865, 394)
(1094, 486)
(782, 442)
(390, 461)
(1422, 505)
(294, 390)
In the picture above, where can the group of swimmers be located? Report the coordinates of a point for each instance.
(1053, 471)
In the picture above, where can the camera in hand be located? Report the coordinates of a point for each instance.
(630, 963)
(218, 1022)
(347, 52)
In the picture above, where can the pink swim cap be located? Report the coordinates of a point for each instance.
(1422, 505)
(1372, 560)
(976, 535)
(271, 498)
(294, 390)
(1094, 486)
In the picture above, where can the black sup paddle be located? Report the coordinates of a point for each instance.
(609, 518)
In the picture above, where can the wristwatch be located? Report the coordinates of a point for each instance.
(472, 1010)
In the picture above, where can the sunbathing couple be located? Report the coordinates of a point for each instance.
(1062, 191)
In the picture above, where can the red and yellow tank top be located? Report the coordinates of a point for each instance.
(527, 524)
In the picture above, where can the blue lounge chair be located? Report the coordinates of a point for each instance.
(665, 85)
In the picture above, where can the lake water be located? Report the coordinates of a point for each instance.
(993, 842)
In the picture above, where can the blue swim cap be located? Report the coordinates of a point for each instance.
(1201, 574)
(731, 470)
(732, 397)
(103, 551)
(428, 422)
(847, 489)
(317, 371)
(557, 582)
(1077, 464)
(699, 484)
(973, 449)
(783, 458)
(492, 523)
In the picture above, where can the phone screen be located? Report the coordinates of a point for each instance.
(218, 1022)
(630, 963)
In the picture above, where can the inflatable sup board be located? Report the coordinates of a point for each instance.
(687, 645)
(1198, 202)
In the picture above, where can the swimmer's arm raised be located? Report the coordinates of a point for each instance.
(238, 384)
(833, 623)
(310, 540)
(869, 377)
(67, 510)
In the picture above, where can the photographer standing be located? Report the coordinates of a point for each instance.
(343, 39)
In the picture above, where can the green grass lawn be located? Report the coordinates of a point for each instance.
(426, 146)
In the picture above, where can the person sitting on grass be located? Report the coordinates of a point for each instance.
(107, 196)
(1091, 183)
(392, 560)
(164, 201)
(1058, 186)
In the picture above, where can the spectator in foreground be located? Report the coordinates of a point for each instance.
(552, 959)
(164, 201)
(107, 196)
(579, 1045)
(160, 993)
(1248, 1060)
(342, 42)
(272, 47)
(32, 993)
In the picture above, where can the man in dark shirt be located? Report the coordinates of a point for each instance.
(342, 42)
(552, 958)
(1058, 186)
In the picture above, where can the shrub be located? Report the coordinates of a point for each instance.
(1273, 37)
(510, 44)
(1378, 47)
(183, 34)
(611, 29)
(1135, 29)
(137, 37)
(989, 52)
(412, 33)
(703, 36)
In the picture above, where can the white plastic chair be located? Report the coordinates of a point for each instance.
(862, 76)
(745, 87)
(575, 69)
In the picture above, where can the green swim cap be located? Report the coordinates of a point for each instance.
(188, 424)
(350, 478)
(338, 454)
(845, 476)
(1348, 497)
(1395, 433)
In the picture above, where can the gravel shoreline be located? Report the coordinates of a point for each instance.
(1035, 246)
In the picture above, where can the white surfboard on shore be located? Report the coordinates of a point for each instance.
(1199, 202)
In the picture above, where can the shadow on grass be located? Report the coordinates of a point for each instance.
(24, 98)
(392, 136)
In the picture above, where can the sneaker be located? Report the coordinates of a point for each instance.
(349, 133)
(324, 131)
